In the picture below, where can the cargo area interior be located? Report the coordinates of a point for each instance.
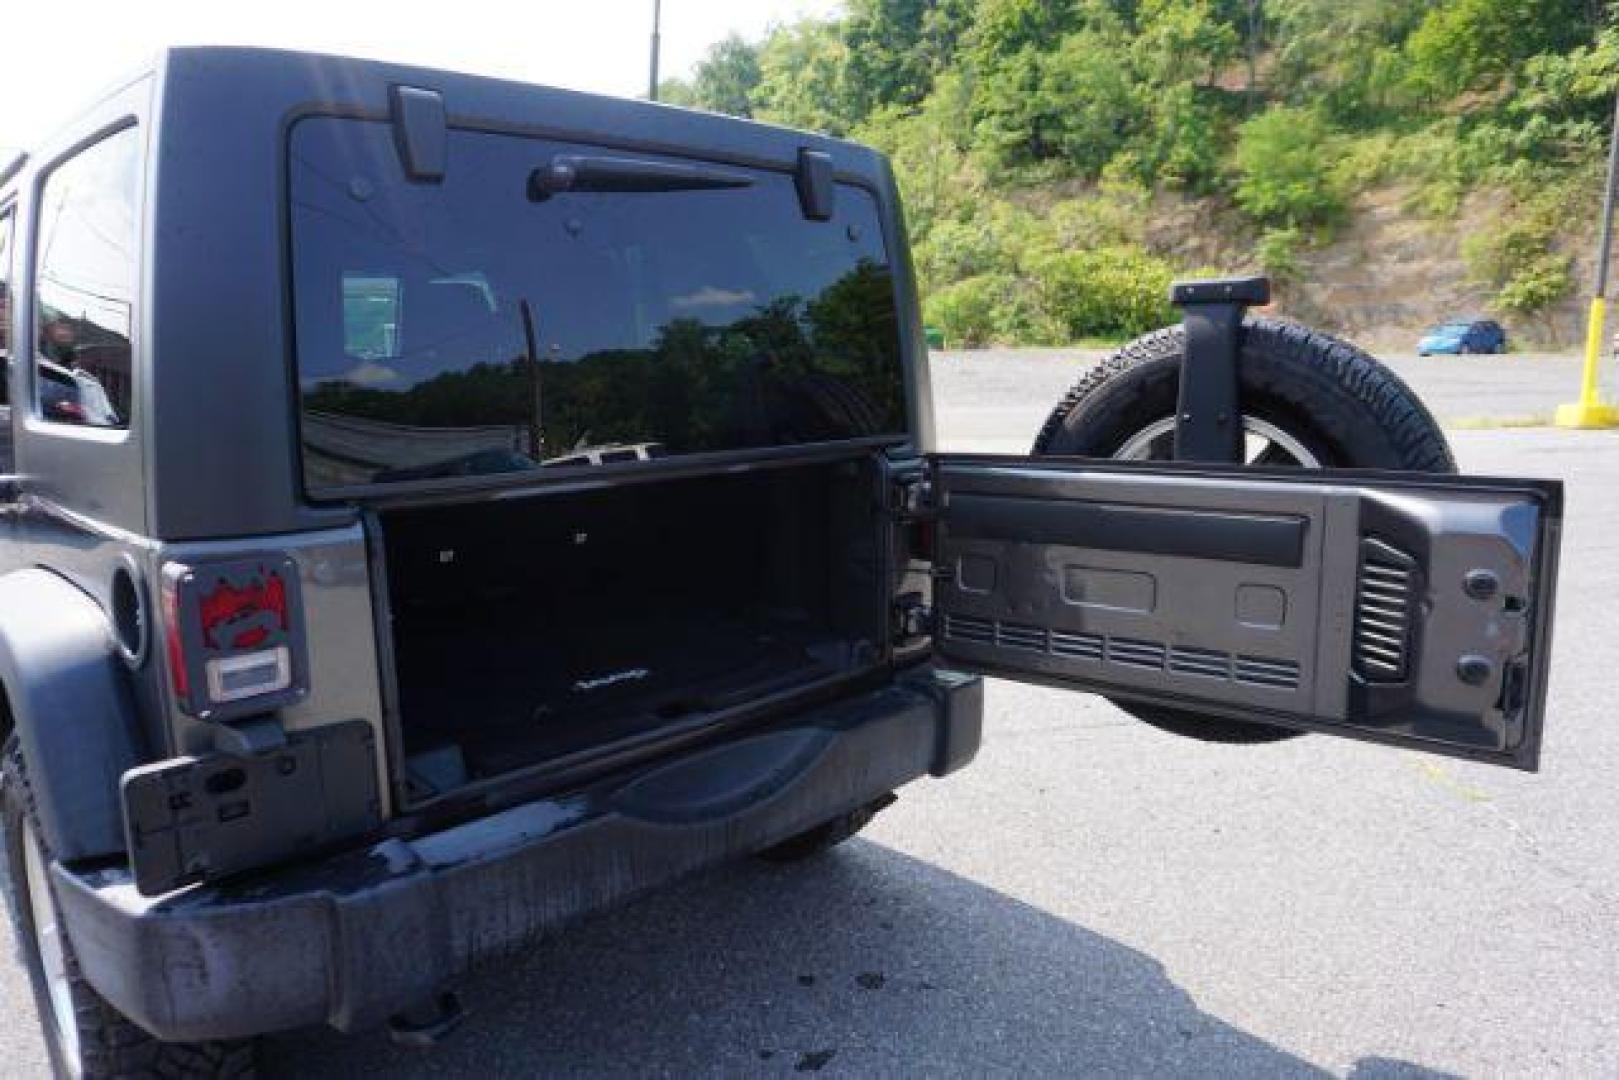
(531, 628)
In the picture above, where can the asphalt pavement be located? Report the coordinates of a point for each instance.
(1095, 897)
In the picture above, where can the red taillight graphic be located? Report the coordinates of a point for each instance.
(243, 618)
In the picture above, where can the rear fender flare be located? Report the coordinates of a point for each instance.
(72, 709)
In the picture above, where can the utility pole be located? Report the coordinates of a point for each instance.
(657, 17)
(1590, 411)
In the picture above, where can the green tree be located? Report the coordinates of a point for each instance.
(1003, 29)
(896, 47)
(1072, 107)
(726, 78)
(1284, 169)
(931, 150)
(802, 70)
(1473, 44)
(1578, 84)
(1343, 56)
(1184, 142)
(1177, 41)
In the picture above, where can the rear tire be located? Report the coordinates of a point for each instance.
(1334, 406)
(85, 1036)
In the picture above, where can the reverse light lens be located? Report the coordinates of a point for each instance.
(232, 678)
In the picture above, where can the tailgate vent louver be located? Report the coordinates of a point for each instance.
(1082, 646)
(1205, 662)
(1258, 671)
(966, 628)
(1133, 653)
(1179, 660)
(1016, 636)
(1384, 596)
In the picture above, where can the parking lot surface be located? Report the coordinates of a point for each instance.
(1096, 897)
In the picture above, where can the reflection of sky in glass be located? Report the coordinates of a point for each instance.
(601, 271)
(87, 236)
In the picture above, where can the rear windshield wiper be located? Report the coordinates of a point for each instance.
(578, 172)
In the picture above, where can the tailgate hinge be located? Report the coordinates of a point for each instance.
(914, 499)
(912, 616)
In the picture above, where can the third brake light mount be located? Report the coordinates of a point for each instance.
(591, 172)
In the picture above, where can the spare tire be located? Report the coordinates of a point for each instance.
(1309, 400)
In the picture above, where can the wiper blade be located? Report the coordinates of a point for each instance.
(578, 172)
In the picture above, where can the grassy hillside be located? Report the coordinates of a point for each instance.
(1386, 162)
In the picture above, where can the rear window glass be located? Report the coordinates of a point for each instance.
(460, 327)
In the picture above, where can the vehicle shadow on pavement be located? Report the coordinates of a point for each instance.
(865, 961)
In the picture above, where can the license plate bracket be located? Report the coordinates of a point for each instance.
(194, 819)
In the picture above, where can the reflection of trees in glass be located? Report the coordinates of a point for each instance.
(790, 371)
(856, 328)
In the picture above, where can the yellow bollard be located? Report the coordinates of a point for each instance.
(1590, 411)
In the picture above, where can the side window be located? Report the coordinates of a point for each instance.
(84, 285)
(8, 462)
(5, 325)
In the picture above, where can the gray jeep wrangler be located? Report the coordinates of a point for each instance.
(436, 508)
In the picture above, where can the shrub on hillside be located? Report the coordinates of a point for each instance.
(1278, 254)
(1285, 166)
(969, 312)
(1520, 256)
(1183, 146)
(990, 238)
(1518, 261)
(1109, 292)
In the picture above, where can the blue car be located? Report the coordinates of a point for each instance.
(1464, 336)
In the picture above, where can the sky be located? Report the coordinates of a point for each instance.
(61, 53)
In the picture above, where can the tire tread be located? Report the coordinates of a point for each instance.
(1395, 410)
(110, 1044)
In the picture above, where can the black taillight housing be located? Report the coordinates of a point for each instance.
(234, 636)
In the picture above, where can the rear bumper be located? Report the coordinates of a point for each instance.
(361, 936)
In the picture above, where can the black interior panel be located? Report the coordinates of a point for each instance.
(527, 629)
